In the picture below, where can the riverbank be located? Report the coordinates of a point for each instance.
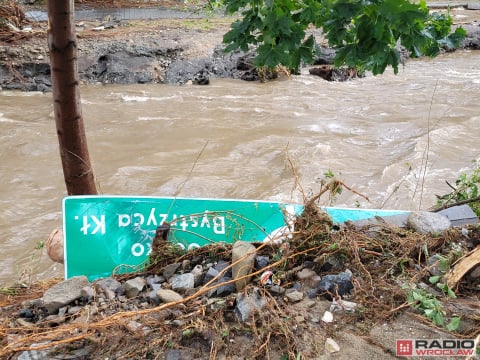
(331, 292)
(177, 49)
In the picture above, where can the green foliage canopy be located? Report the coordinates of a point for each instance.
(367, 34)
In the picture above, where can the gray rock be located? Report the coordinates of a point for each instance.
(168, 296)
(313, 282)
(261, 262)
(34, 354)
(173, 355)
(32, 303)
(169, 270)
(247, 305)
(63, 310)
(305, 274)
(340, 283)
(221, 266)
(153, 297)
(74, 310)
(156, 287)
(277, 289)
(425, 222)
(186, 264)
(309, 277)
(243, 260)
(134, 286)
(25, 313)
(134, 326)
(108, 284)
(434, 265)
(87, 293)
(183, 282)
(155, 280)
(109, 294)
(64, 293)
(293, 295)
(55, 320)
(224, 290)
(211, 273)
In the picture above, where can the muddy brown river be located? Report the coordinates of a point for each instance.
(395, 139)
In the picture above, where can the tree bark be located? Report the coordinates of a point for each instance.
(77, 169)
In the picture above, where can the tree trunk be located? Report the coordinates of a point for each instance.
(77, 170)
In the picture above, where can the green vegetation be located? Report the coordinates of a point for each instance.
(368, 35)
(431, 307)
(466, 189)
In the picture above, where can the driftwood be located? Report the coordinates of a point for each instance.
(462, 267)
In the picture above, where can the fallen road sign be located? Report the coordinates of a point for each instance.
(105, 233)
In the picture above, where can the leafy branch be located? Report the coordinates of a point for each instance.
(431, 307)
(368, 34)
(465, 191)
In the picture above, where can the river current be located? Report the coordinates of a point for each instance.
(396, 139)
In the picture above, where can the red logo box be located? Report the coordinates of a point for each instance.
(405, 347)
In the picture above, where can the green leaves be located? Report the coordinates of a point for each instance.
(368, 34)
(467, 188)
(432, 307)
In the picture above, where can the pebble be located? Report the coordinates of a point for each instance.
(331, 346)
(134, 286)
(294, 295)
(167, 296)
(327, 317)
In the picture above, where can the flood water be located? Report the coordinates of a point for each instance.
(395, 139)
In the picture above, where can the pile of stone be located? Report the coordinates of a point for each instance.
(68, 299)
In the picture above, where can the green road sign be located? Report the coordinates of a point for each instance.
(106, 234)
(113, 234)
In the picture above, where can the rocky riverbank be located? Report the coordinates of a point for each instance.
(166, 51)
(330, 292)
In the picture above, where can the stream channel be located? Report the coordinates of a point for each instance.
(393, 138)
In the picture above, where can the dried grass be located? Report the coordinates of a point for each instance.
(381, 257)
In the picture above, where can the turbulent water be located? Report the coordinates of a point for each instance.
(393, 138)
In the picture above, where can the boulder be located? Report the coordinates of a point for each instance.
(425, 222)
(64, 293)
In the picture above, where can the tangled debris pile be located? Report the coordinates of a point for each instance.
(12, 21)
(249, 300)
